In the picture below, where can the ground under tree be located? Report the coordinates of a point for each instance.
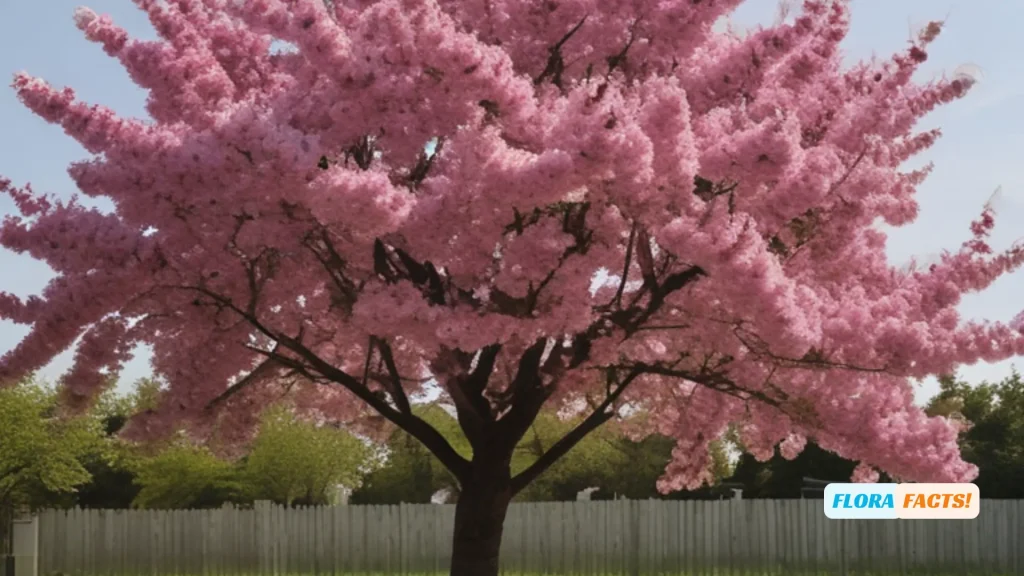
(589, 204)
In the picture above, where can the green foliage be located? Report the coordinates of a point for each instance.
(591, 463)
(41, 450)
(411, 473)
(296, 460)
(995, 440)
(184, 475)
(781, 478)
(112, 485)
(605, 459)
(290, 461)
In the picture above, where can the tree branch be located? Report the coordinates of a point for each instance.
(617, 301)
(524, 398)
(395, 389)
(556, 64)
(334, 265)
(415, 426)
(466, 388)
(527, 375)
(599, 416)
(814, 358)
(712, 380)
(250, 378)
(478, 378)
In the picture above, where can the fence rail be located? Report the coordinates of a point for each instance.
(755, 537)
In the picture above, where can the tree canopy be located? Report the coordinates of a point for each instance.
(993, 430)
(41, 452)
(576, 204)
(291, 460)
(184, 475)
(297, 460)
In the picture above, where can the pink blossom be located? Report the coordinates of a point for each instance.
(281, 229)
(792, 446)
(864, 474)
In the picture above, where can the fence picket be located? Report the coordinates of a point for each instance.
(754, 537)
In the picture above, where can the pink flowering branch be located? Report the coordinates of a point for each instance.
(310, 365)
(282, 227)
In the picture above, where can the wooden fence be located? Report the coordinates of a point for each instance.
(755, 537)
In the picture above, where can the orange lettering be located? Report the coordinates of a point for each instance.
(948, 500)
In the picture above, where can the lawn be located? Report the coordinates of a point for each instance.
(710, 572)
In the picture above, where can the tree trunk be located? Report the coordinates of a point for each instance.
(479, 521)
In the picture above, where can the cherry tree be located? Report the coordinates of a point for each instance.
(571, 202)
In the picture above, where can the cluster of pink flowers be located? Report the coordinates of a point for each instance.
(574, 138)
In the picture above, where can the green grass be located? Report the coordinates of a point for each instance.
(710, 572)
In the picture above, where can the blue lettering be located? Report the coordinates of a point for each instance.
(858, 501)
(841, 500)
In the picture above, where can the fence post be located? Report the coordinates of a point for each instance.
(264, 537)
(842, 548)
(634, 506)
(25, 546)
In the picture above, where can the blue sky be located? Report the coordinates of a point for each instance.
(979, 152)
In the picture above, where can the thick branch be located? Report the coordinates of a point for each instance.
(617, 301)
(395, 388)
(473, 408)
(471, 419)
(599, 416)
(478, 378)
(415, 426)
(527, 374)
(466, 388)
(524, 398)
(249, 379)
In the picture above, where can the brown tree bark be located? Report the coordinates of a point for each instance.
(480, 519)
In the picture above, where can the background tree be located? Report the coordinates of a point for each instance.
(410, 472)
(993, 438)
(620, 205)
(290, 461)
(112, 483)
(634, 474)
(781, 477)
(993, 417)
(585, 466)
(41, 451)
(185, 475)
(297, 461)
(606, 459)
